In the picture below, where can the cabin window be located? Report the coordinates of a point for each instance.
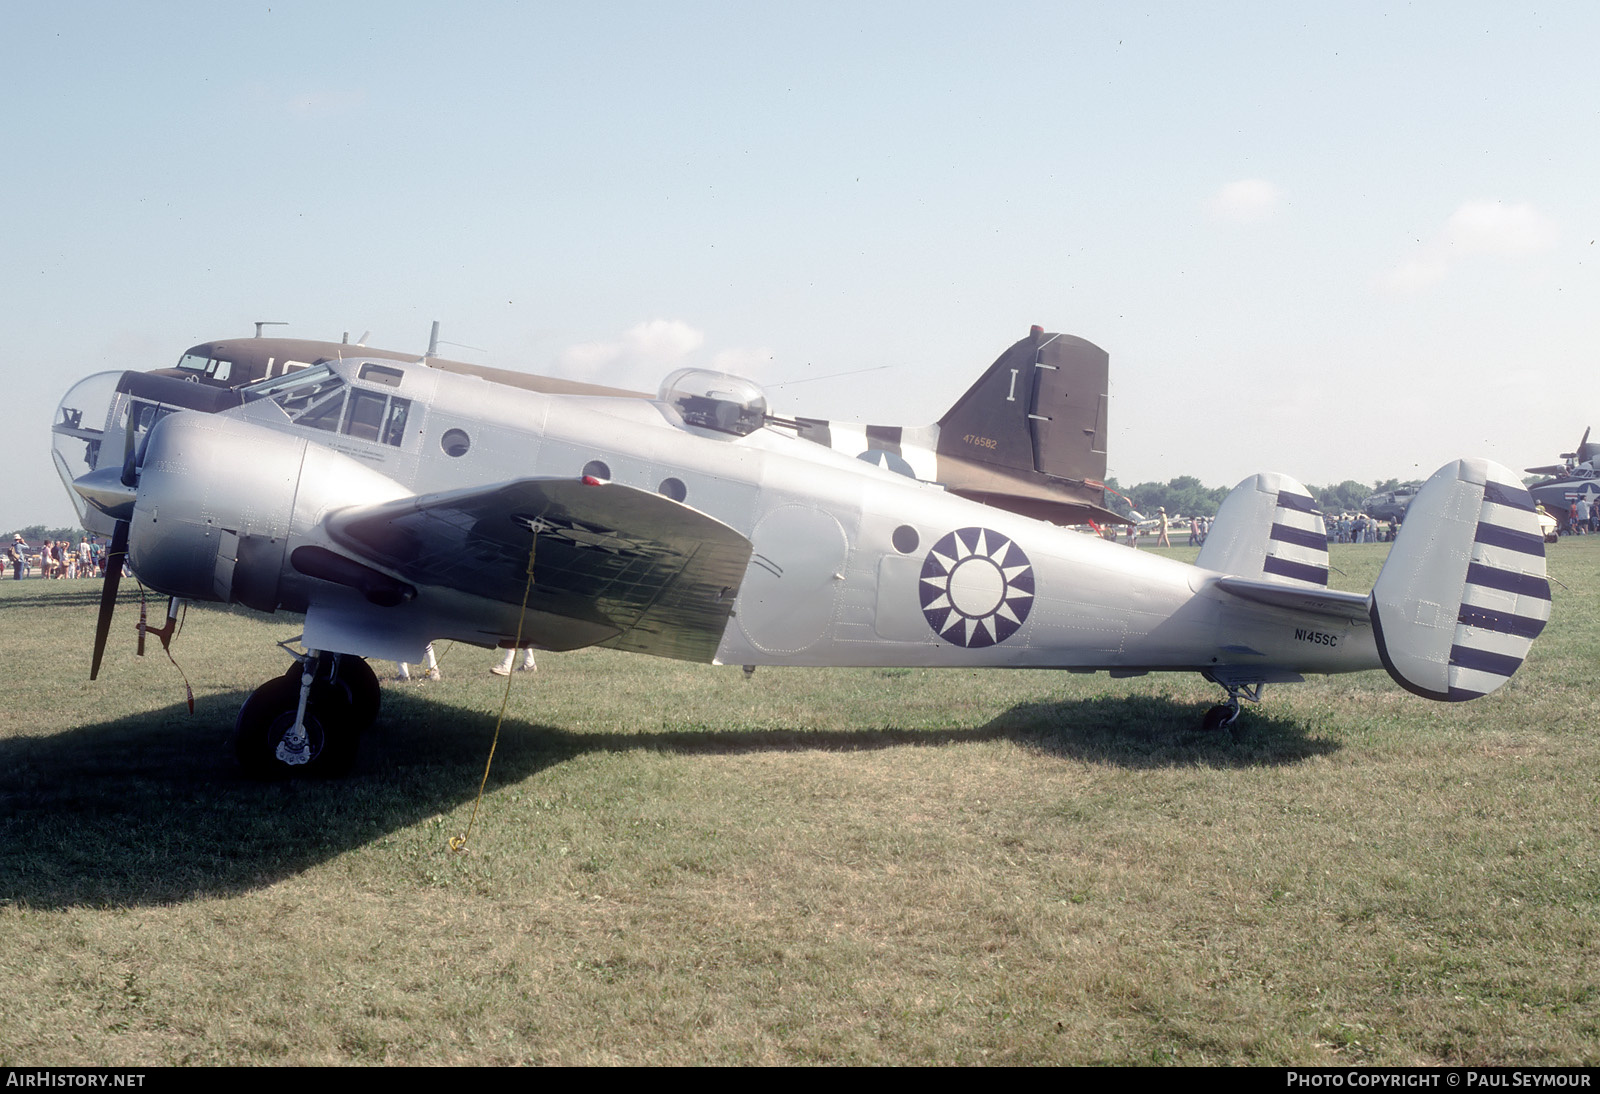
(673, 488)
(394, 429)
(366, 415)
(597, 469)
(372, 416)
(455, 442)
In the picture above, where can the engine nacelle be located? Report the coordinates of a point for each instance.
(221, 504)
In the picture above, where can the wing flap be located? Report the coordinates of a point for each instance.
(649, 574)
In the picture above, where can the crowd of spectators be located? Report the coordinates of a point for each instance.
(58, 559)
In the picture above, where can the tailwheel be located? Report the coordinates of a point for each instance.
(1226, 714)
(273, 741)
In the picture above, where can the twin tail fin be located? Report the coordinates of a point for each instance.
(1463, 593)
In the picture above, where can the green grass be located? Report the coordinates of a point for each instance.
(674, 864)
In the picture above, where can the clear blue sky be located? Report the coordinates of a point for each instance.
(1340, 241)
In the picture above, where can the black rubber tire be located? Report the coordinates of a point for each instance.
(331, 734)
(1217, 718)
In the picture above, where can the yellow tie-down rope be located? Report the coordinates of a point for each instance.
(458, 844)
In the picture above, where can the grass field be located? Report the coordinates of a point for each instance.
(674, 864)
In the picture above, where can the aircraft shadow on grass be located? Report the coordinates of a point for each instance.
(50, 595)
(152, 809)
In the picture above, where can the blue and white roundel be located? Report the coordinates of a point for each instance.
(976, 587)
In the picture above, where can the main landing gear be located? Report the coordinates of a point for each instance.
(309, 720)
(1223, 716)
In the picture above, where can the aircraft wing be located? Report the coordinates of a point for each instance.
(1306, 600)
(611, 564)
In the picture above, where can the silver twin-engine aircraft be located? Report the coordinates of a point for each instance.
(396, 504)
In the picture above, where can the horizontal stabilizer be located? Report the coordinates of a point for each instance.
(1269, 528)
(1328, 603)
(1463, 593)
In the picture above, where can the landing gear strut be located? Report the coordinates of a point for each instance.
(309, 720)
(1224, 715)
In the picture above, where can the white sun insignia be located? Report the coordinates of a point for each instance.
(976, 587)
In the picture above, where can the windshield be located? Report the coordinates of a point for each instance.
(313, 396)
(317, 398)
(218, 368)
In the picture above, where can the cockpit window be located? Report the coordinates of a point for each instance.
(715, 400)
(313, 396)
(218, 368)
(296, 385)
(316, 398)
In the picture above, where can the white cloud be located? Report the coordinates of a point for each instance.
(1494, 228)
(1489, 228)
(1247, 201)
(656, 346)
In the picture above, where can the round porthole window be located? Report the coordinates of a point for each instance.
(455, 442)
(673, 488)
(905, 539)
(597, 469)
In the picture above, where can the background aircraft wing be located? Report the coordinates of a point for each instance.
(651, 574)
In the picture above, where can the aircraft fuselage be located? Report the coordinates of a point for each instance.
(851, 564)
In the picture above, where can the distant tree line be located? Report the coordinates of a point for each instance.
(1186, 496)
(34, 534)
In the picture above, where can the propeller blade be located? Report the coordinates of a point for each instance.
(108, 593)
(130, 476)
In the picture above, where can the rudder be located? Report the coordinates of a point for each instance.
(1463, 593)
(1268, 527)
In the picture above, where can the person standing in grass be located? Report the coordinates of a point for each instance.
(504, 667)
